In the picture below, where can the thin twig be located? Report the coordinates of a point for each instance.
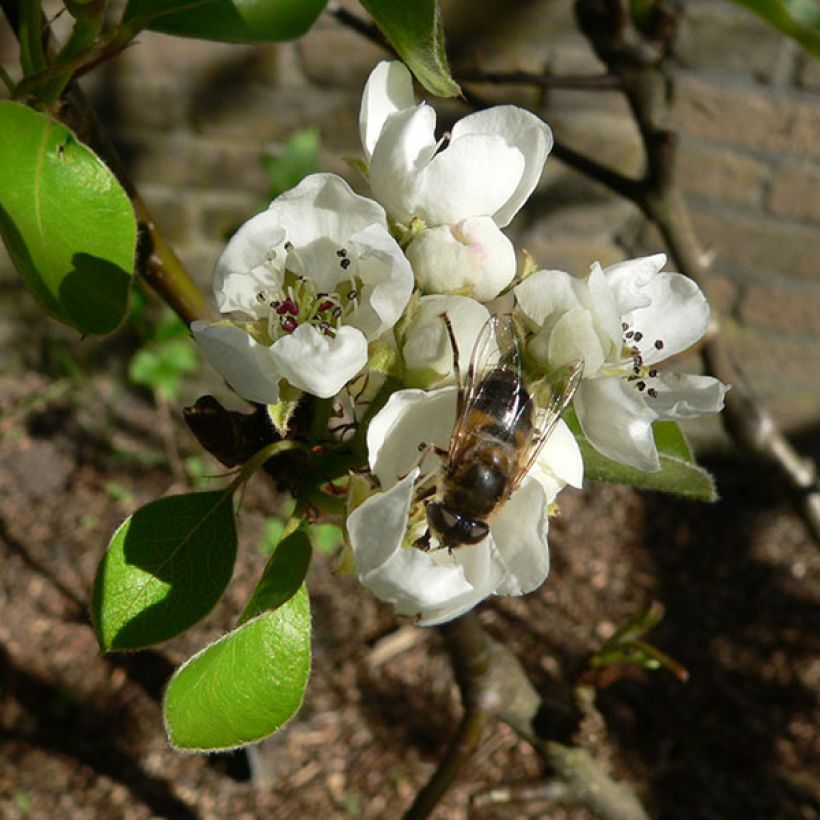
(639, 65)
(578, 82)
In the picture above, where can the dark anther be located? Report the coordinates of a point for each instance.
(652, 392)
(641, 385)
(336, 312)
(422, 446)
(352, 294)
(327, 304)
(653, 372)
(638, 335)
(345, 263)
(624, 326)
(288, 323)
(260, 297)
(288, 246)
(659, 344)
(341, 253)
(629, 334)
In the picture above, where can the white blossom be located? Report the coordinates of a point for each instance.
(308, 282)
(438, 585)
(622, 322)
(463, 187)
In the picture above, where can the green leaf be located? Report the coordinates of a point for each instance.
(678, 474)
(68, 225)
(298, 158)
(798, 19)
(166, 567)
(282, 577)
(244, 686)
(234, 21)
(415, 31)
(161, 366)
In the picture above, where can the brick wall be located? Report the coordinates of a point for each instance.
(192, 119)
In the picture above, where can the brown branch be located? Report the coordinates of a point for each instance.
(490, 676)
(579, 82)
(639, 65)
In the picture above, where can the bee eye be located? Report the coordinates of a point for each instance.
(477, 532)
(448, 518)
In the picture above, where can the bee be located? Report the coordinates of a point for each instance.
(500, 429)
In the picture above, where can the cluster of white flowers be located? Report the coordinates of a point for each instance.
(307, 286)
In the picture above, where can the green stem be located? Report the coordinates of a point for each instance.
(257, 461)
(82, 38)
(32, 54)
(6, 79)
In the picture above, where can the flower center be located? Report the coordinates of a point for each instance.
(298, 302)
(633, 367)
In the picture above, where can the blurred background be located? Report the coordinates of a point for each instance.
(90, 430)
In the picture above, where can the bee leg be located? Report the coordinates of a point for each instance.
(456, 368)
(423, 543)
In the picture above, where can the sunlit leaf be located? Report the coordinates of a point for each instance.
(166, 567)
(244, 686)
(415, 31)
(236, 21)
(66, 221)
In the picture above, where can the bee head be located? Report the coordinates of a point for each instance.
(452, 529)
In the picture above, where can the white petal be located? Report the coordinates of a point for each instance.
(245, 364)
(684, 396)
(252, 261)
(520, 535)
(387, 281)
(605, 310)
(574, 338)
(324, 205)
(545, 294)
(617, 422)
(473, 176)
(629, 278)
(389, 89)
(677, 316)
(320, 364)
(431, 587)
(426, 347)
(471, 258)
(409, 418)
(560, 462)
(407, 143)
(519, 128)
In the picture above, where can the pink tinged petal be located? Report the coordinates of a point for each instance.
(520, 535)
(546, 294)
(473, 176)
(389, 89)
(677, 317)
(618, 422)
(426, 346)
(606, 313)
(387, 281)
(406, 145)
(629, 278)
(685, 396)
(521, 129)
(472, 258)
(575, 338)
(409, 418)
(320, 364)
(245, 364)
(324, 205)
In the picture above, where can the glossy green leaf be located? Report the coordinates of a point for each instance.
(166, 567)
(415, 31)
(234, 21)
(798, 19)
(678, 474)
(68, 225)
(244, 686)
(283, 575)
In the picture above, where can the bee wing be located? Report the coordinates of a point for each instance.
(550, 397)
(496, 346)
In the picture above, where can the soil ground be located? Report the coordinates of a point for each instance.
(81, 734)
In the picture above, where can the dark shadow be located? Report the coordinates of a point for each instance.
(84, 731)
(94, 294)
(737, 619)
